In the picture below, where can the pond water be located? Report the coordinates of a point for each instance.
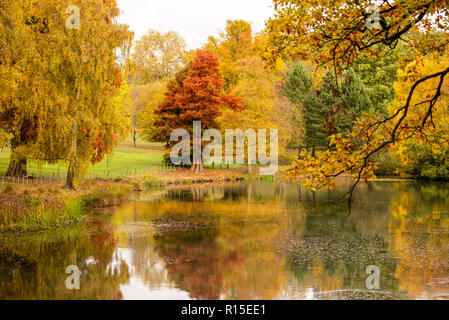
(244, 241)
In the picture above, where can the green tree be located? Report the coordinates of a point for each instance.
(327, 108)
(378, 75)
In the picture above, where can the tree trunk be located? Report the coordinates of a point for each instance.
(71, 173)
(197, 167)
(17, 166)
(70, 181)
(135, 138)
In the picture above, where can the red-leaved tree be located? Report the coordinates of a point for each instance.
(195, 94)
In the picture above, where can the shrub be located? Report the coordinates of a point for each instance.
(152, 182)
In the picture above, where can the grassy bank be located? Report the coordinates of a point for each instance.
(42, 218)
(44, 207)
(37, 207)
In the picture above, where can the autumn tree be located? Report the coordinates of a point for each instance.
(343, 30)
(158, 56)
(425, 155)
(258, 88)
(231, 45)
(195, 94)
(92, 79)
(60, 101)
(21, 22)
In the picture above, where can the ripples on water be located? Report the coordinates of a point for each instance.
(244, 241)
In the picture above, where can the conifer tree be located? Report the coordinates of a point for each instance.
(329, 108)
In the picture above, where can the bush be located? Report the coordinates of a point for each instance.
(387, 165)
(421, 162)
(108, 192)
(152, 182)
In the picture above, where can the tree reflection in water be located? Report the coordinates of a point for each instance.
(244, 241)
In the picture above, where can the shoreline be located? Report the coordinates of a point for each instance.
(38, 207)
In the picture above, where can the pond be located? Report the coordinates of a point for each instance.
(256, 240)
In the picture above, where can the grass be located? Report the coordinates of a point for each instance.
(41, 218)
(152, 182)
(32, 201)
(29, 208)
(124, 157)
(109, 192)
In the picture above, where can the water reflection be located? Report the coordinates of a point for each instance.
(244, 241)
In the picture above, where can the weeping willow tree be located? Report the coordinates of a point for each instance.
(60, 102)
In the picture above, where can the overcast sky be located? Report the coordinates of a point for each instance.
(195, 20)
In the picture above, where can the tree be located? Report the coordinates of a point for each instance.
(235, 43)
(342, 34)
(257, 87)
(92, 78)
(378, 75)
(146, 99)
(355, 100)
(298, 88)
(158, 56)
(195, 94)
(425, 155)
(75, 67)
(327, 109)
(21, 22)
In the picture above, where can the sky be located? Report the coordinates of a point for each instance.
(195, 20)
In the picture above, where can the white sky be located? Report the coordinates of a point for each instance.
(195, 20)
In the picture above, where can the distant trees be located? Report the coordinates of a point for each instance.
(247, 74)
(145, 100)
(158, 56)
(234, 43)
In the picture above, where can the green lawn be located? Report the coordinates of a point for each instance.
(124, 157)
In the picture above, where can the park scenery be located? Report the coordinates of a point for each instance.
(241, 150)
